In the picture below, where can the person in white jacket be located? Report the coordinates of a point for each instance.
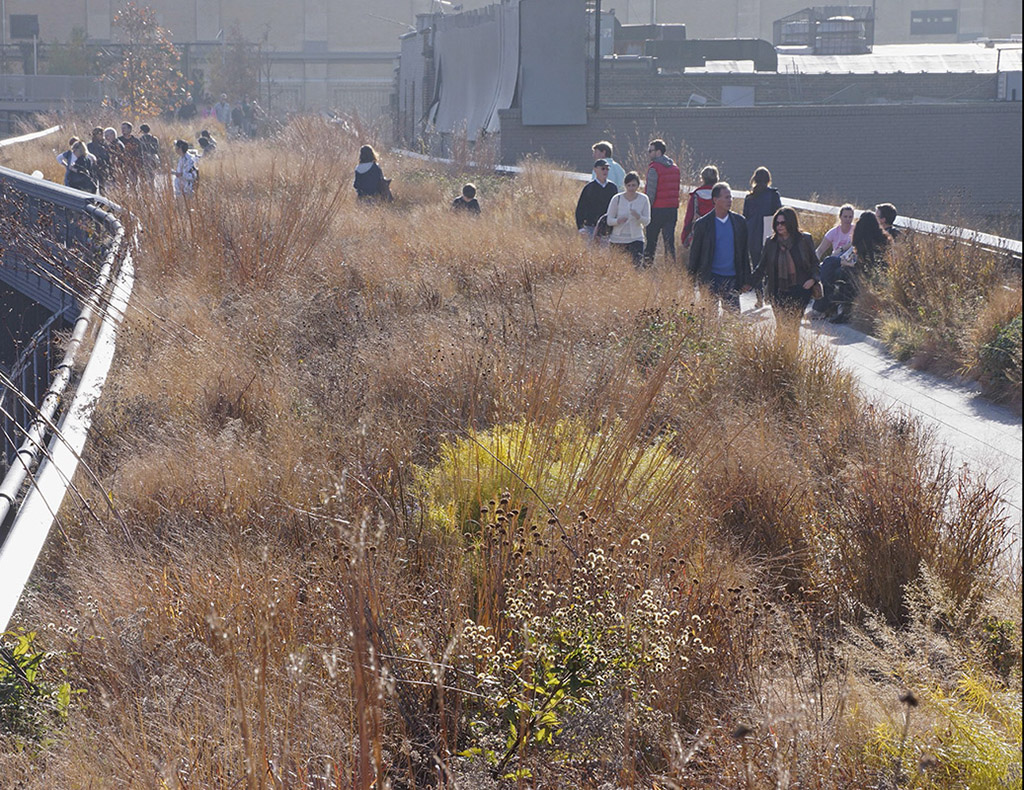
(67, 158)
(628, 214)
(186, 172)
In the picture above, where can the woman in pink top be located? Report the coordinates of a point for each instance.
(838, 239)
(837, 242)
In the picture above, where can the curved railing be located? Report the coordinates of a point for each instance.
(67, 251)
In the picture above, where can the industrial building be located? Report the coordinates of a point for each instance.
(920, 125)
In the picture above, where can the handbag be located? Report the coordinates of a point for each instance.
(602, 228)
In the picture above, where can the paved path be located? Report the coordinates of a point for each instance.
(985, 437)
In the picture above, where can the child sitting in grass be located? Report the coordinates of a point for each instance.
(467, 200)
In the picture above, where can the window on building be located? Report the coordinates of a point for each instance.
(925, 23)
(24, 26)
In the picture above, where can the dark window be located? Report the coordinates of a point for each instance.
(925, 23)
(24, 25)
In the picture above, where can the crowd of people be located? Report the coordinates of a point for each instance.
(727, 253)
(109, 161)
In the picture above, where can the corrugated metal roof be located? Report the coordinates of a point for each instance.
(888, 59)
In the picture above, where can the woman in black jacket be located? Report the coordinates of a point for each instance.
(369, 181)
(788, 269)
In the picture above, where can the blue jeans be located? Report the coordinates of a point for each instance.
(724, 288)
(828, 272)
(838, 284)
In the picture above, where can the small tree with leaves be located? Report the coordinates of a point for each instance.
(75, 57)
(148, 79)
(236, 71)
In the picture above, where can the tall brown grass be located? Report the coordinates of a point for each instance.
(291, 612)
(941, 304)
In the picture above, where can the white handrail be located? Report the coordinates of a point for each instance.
(36, 514)
(30, 136)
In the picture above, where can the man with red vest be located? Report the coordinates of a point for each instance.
(663, 191)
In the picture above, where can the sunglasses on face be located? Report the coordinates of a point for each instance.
(780, 223)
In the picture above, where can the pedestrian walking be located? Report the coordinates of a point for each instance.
(719, 254)
(663, 190)
(370, 183)
(761, 202)
(788, 270)
(629, 214)
(186, 171)
(593, 200)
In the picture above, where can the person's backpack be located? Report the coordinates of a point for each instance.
(385, 190)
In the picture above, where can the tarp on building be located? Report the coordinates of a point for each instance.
(477, 67)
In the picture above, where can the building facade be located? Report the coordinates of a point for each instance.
(317, 54)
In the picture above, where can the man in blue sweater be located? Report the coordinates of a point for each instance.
(719, 257)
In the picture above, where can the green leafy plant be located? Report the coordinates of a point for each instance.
(580, 636)
(971, 737)
(32, 701)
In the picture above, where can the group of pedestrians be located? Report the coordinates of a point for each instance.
(729, 253)
(637, 220)
(240, 118)
(108, 160)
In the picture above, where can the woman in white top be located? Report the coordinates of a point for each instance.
(67, 158)
(838, 239)
(186, 172)
(628, 214)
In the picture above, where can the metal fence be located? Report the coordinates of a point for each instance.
(49, 426)
(51, 88)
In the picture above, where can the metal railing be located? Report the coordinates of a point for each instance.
(52, 429)
(51, 88)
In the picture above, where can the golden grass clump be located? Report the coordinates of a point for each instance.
(415, 499)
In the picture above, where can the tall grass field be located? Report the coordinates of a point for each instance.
(407, 498)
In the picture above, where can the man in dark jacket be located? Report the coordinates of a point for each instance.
(719, 256)
(99, 149)
(594, 199)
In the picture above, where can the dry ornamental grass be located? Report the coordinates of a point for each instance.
(416, 499)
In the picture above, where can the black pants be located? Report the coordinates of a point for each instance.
(789, 305)
(663, 221)
(635, 250)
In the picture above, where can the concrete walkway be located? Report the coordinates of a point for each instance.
(979, 434)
